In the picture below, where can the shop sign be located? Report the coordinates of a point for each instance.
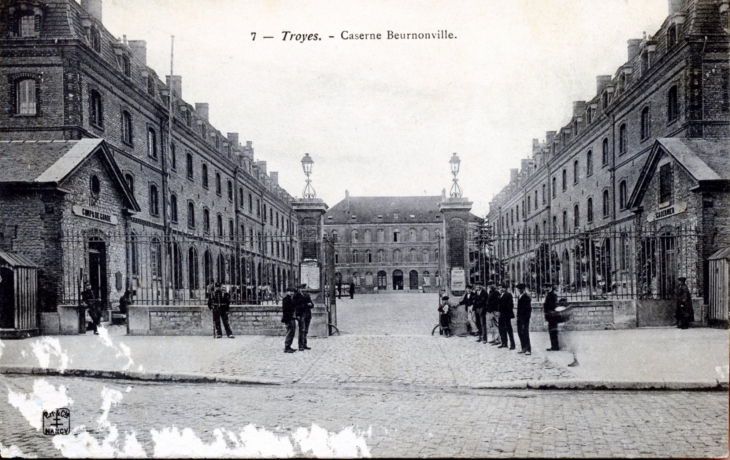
(669, 211)
(458, 279)
(309, 274)
(94, 214)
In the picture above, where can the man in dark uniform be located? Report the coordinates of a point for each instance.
(304, 315)
(90, 302)
(339, 289)
(551, 303)
(684, 313)
(524, 311)
(352, 289)
(493, 313)
(468, 302)
(288, 311)
(220, 302)
(506, 313)
(480, 312)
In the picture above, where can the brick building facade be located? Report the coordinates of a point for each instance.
(65, 77)
(579, 181)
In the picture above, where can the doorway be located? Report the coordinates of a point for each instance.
(97, 270)
(7, 298)
(413, 280)
(397, 280)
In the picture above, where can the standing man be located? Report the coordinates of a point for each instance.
(288, 311)
(90, 302)
(685, 313)
(304, 315)
(220, 303)
(524, 311)
(468, 302)
(339, 289)
(352, 289)
(480, 313)
(493, 313)
(551, 303)
(506, 313)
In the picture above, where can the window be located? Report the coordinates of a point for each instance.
(576, 216)
(622, 139)
(258, 207)
(28, 26)
(129, 179)
(535, 200)
(219, 224)
(218, 184)
(189, 161)
(575, 172)
(95, 39)
(381, 255)
(95, 186)
(230, 191)
(604, 99)
(355, 257)
(381, 236)
(206, 221)
(396, 256)
(565, 221)
(529, 204)
(232, 233)
(191, 215)
(555, 226)
(355, 236)
(605, 152)
(154, 201)
(622, 194)
(203, 131)
(671, 36)
(425, 236)
(644, 61)
(25, 95)
(95, 109)
(126, 127)
(337, 258)
(205, 175)
(555, 187)
(412, 235)
(672, 104)
(565, 180)
(589, 213)
(250, 203)
(396, 235)
(544, 197)
(413, 257)
(368, 257)
(334, 236)
(151, 143)
(589, 163)
(425, 256)
(645, 128)
(155, 258)
(126, 66)
(606, 204)
(240, 197)
(133, 256)
(666, 183)
(150, 85)
(368, 236)
(173, 208)
(173, 157)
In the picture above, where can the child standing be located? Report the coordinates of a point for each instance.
(445, 316)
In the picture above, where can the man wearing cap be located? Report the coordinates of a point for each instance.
(480, 313)
(303, 304)
(524, 311)
(289, 308)
(685, 312)
(220, 303)
(493, 313)
(445, 316)
(90, 302)
(551, 303)
(468, 302)
(506, 313)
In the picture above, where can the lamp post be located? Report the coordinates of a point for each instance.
(307, 163)
(455, 162)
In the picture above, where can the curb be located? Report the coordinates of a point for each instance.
(665, 385)
(139, 376)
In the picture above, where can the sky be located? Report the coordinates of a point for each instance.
(383, 117)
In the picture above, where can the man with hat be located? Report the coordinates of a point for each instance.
(289, 308)
(684, 313)
(480, 312)
(551, 303)
(303, 306)
(524, 311)
(468, 302)
(506, 313)
(220, 302)
(493, 313)
(90, 302)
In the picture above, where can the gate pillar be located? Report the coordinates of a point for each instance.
(455, 257)
(312, 262)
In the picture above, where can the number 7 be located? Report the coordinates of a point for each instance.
(254, 36)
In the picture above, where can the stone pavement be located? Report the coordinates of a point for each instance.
(386, 339)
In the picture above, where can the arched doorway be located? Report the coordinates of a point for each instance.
(413, 280)
(97, 268)
(397, 280)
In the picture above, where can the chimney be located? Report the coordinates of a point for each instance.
(174, 82)
(233, 139)
(262, 166)
(139, 50)
(202, 109)
(347, 200)
(513, 174)
(579, 107)
(634, 48)
(549, 137)
(601, 82)
(675, 6)
(93, 7)
(275, 177)
(443, 194)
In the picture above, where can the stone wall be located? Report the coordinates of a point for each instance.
(591, 315)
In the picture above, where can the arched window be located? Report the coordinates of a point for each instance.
(622, 139)
(576, 172)
(529, 205)
(133, 255)
(230, 191)
(412, 235)
(250, 203)
(381, 235)
(645, 127)
(355, 236)
(576, 216)
(151, 143)
(173, 157)
(95, 39)
(368, 236)
(396, 256)
(232, 232)
(589, 163)
(425, 256)
(126, 127)
(368, 257)
(126, 66)
(413, 256)
(396, 235)
(155, 258)
(154, 201)
(672, 104)
(206, 221)
(129, 179)
(425, 236)
(622, 194)
(555, 187)
(219, 222)
(605, 152)
(589, 210)
(173, 208)
(555, 227)
(189, 161)
(337, 258)
(191, 215)
(355, 256)
(250, 238)
(368, 279)
(544, 197)
(671, 36)
(218, 190)
(565, 221)
(220, 268)
(205, 175)
(193, 276)
(606, 204)
(381, 255)
(95, 109)
(565, 180)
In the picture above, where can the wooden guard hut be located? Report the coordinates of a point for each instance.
(719, 277)
(18, 296)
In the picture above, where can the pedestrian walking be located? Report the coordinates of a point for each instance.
(288, 311)
(551, 303)
(220, 303)
(493, 313)
(506, 313)
(92, 305)
(480, 312)
(304, 315)
(445, 316)
(684, 313)
(524, 311)
(352, 289)
(339, 289)
(468, 302)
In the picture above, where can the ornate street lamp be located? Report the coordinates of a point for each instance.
(455, 162)
(307, 163)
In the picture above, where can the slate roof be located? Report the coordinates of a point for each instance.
(367, 209)
(17, 260)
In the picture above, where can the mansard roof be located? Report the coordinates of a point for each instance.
(384, 209)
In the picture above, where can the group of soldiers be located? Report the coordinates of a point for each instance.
(296, 309)
(494, 311)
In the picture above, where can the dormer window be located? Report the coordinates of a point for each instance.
(95, 39)
(671, 36)
(150, 85)
(126, 66)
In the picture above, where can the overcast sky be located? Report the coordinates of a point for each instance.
(382, 117)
